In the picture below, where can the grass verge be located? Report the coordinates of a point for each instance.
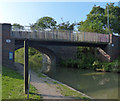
(13, 86)
(65, 91)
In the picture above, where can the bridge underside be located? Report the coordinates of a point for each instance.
(60, 43)
(57, 50)
(43, 50)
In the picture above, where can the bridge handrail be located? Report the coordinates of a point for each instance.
(61, 35)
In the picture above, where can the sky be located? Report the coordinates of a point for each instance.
(26, 13)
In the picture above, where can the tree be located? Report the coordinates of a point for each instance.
(66, 26)
(44, 23)
(114, 17)
(17, 27)
(97, 20)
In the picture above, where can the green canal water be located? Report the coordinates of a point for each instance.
(99, 85)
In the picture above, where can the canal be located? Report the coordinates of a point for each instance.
(99, 85)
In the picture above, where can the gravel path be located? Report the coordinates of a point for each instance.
(45, 87)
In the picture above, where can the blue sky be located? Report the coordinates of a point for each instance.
(25, 13)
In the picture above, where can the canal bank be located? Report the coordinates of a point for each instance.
(49, 88)
(98, 85)
(64, 88)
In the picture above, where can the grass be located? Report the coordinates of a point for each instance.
(41, 75)
(65, 91)
(55, 82)
(13, 86)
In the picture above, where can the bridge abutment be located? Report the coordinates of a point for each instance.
(7, 45)
(113, 48)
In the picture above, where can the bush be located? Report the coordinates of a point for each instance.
(86, 60)
(35, 62)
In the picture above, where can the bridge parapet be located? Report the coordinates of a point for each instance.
(64, 35)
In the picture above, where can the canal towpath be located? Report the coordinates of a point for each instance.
(45, 86)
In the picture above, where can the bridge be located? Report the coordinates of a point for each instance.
(60, 37)
(54, 43)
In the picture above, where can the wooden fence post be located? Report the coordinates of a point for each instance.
(26, 66)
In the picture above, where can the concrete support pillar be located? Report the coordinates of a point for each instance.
(26, 66)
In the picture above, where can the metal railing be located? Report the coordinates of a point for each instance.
(60, 35)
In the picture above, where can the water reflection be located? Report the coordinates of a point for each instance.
(95, 84)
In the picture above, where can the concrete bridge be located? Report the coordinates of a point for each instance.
(55, 43)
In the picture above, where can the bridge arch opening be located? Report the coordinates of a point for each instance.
(41, 59)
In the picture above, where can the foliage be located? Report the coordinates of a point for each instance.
(44, 23)
(13, 86)
(97, 20)
(35, 62)
(17, 27)
(96, 65)
(114, 17)
(50, 23)
(86, 60)
(19, 56)
(35, 58)
(68, 92)
(108, 66)
(66, 26)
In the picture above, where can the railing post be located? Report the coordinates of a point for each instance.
(53, 33)
(45, 35)
(69, 35)
(84, 36)
(96, 37)
(57, 36)
(26, 66)
(77, 37)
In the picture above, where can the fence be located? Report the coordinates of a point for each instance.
(60, 35)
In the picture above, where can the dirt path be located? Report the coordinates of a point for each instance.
(45, 87)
